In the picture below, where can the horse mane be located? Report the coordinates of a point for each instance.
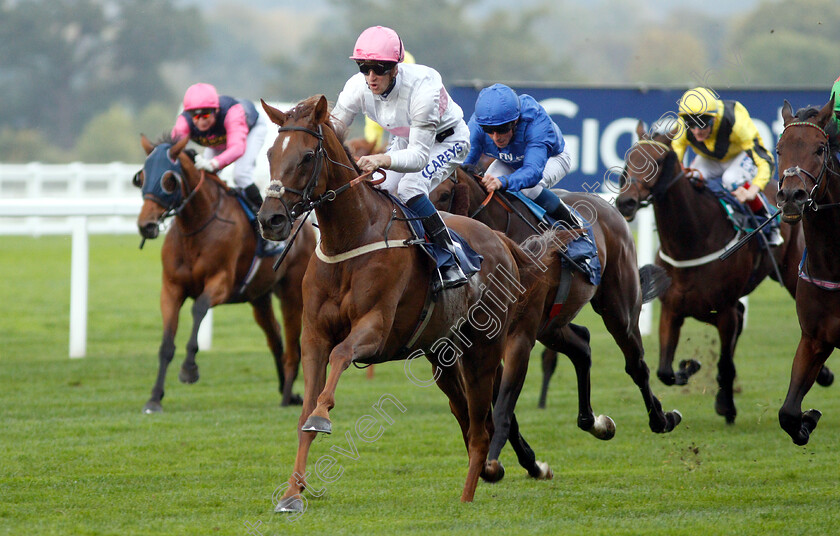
(832, 129)
(304, 109)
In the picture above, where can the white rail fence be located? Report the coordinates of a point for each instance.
(82, 199)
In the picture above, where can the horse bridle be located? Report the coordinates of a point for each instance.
(276, 189)
(658, 189)
(798, 172)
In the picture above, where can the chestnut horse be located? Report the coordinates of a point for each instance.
(618, 298)
(694, 231)
(209, 255)
(366, 290)
(810, 192)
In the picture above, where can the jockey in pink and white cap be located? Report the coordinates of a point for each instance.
(429, 138)
(231, 130)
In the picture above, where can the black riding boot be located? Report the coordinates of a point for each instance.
(562, 213)
(252, 193)
(450, 276)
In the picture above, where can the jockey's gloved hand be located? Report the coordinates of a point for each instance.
(210, 165)
(694, 177)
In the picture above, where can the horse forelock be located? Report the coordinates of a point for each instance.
(832, 129)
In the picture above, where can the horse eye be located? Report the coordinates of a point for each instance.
(820, 150)
(307, 158)
(137, 179)
(169, 182)
(445, 196)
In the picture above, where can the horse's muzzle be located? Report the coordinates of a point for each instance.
(149, 230)
(274, 226)
(627, 206)
(792, 201)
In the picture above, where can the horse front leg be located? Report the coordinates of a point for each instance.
(728, 325)
(809, 359)
(365, 340)
(171, 300)
(479, 369)
(314, 368)
(189, 368)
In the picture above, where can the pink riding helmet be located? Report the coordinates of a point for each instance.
(201, 96)
(378, 43)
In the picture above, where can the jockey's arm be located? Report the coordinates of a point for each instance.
(236, 128)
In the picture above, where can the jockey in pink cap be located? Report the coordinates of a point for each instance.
(429, 138)
(231, 130)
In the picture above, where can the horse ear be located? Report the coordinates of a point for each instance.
(640, 129)
(322, 111)
(787, 112)
(147, 145)
(176, 149)
(825, 114)
(277, 117)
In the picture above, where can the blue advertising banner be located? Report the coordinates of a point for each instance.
(599, 124)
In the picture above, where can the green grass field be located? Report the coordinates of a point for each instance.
(78, 457)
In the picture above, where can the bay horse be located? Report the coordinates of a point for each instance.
(810, 193)
(694, 231)
(618, 299)
(209, 255)
(366, 290)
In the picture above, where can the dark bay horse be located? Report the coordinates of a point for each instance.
(366, 289)
(694, 231)
(209, 255)
(810, 193)
(618, 298)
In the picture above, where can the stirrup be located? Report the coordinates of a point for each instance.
(449, 277)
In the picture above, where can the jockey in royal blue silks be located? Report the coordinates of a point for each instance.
(527, 144)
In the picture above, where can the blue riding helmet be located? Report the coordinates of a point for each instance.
(156, 167)
(496, 105)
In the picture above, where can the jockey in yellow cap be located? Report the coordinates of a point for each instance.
(728, 146)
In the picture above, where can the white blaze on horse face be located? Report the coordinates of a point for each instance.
(285, 145)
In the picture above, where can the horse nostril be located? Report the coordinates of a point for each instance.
(276, 221)
(800, 197)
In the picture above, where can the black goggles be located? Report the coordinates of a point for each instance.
(202, 113)
(698, 121)
(504, 128)
(378, 68)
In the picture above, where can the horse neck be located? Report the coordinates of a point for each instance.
(689, 222)
(202, 205)
(820, 228)
(355, 215)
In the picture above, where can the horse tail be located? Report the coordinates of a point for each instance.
(654, 281)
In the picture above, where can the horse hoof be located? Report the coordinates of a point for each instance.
(294, 400)
(289, 505)
(493, 471)
(825, 377)
(152, 407)
(810, 418)
(189, 375)
(317, 424)
(668, 378)
(725, 408)
(604, 428)
(689, 367)
(545, 471)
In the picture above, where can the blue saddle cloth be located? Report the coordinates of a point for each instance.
(738, 213)
(264, 249)
(469, 260)
(582, 249)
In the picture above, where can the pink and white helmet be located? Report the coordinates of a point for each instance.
(378, 43)
(201, 96)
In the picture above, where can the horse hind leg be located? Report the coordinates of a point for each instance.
(727, 324)
(549, 365)
(189, 368)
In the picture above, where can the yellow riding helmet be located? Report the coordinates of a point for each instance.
(698, 101)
